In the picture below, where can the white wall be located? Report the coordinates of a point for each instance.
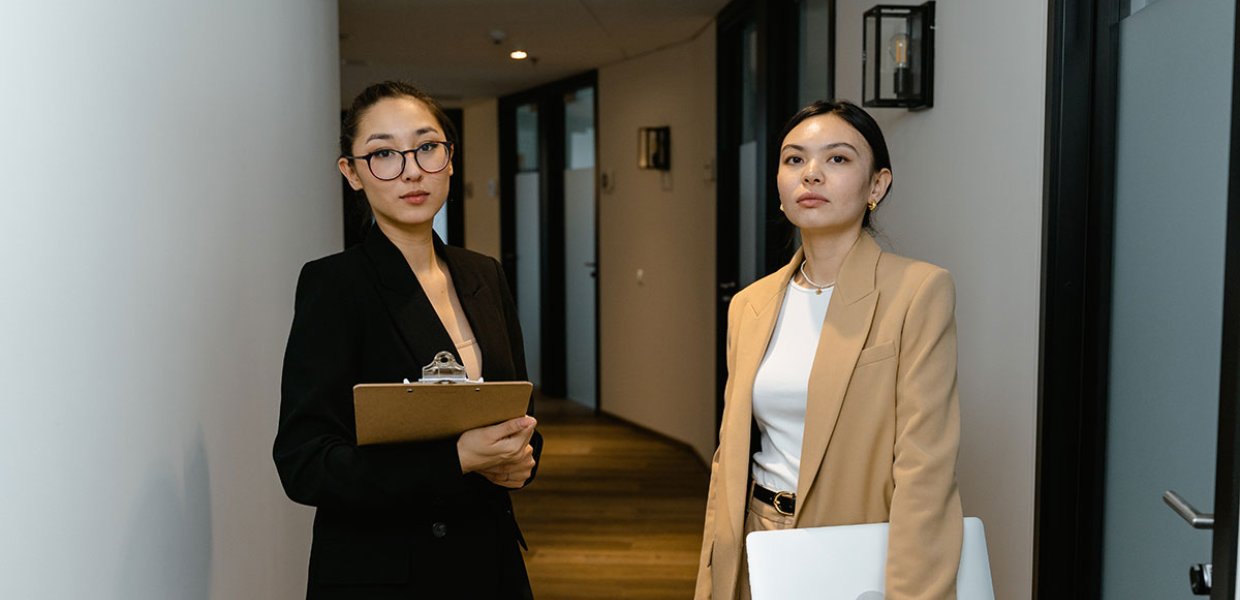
(968, 195)
(657, 337)
(167, 169)
(482, 177)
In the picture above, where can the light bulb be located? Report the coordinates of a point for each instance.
(898, 46)
(518, 55)
(902, 75)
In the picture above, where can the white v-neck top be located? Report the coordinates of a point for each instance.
(782, 386)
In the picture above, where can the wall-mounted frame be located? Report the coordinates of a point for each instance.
(654, 148)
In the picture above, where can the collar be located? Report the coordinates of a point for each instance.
(855, 280)
(395, 274)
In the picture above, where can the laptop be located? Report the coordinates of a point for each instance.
(847, 562)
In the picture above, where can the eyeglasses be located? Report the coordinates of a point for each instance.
(387, 164)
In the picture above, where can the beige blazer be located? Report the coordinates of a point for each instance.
(882, 423)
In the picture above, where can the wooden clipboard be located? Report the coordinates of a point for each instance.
(406, 412)
(442, 404)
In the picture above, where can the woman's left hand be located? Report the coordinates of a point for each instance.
(512, 474)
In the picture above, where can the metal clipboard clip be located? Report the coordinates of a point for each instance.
(445, 369)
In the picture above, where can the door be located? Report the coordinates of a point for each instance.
(548, 231)
(1172, 158)
(738, 246)
(528, 236)
(580, 263)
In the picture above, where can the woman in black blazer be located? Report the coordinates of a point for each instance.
(414, 520)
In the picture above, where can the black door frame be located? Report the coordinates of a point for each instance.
(456, 185)
(778, 32)
(1227, 477)
(1078, 222)
(549, 99)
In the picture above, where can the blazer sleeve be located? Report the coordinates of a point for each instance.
(926, 520)
(315, 448)
(517, 349)
(704, 587)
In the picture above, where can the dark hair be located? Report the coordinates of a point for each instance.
(380, 91)
(859, 120)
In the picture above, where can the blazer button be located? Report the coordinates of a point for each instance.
(439, 530)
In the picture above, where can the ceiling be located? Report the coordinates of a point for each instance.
(446, 47)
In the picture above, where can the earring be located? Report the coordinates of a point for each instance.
(873, 205)
(781, 207)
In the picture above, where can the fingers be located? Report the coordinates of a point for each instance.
(512, 473)
(521, 459)
(520, 425)
(514, 436)
(485, 447)
(505, 479)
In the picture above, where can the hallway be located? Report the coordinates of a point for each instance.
(616, 512)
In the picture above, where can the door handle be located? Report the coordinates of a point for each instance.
(1198, 520)
(1200, 576)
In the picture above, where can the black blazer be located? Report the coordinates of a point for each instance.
(397, 520)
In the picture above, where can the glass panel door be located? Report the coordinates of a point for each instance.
(529, 238)
(579, 258)
(1171, 178)
(816, 51)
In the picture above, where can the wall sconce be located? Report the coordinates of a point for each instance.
(897, 60)
(654, 148)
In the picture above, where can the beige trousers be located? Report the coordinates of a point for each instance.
(760, 517)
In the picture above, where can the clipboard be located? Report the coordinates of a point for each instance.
(443, 403)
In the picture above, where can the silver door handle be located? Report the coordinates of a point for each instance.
(1198, 520)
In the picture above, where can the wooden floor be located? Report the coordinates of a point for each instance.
(615, 513)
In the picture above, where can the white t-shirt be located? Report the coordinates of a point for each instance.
(782, 386)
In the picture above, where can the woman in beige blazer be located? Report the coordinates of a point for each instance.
(839, 410)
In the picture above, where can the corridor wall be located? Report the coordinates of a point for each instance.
(482, 177)
(657, 244)
(167, 167)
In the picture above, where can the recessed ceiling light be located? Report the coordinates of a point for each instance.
(519, 55)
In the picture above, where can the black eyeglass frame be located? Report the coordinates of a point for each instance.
(404, 161)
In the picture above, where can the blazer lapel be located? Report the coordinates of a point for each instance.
(756, 325)
(844, 331)
(480, 310)
(415, 319)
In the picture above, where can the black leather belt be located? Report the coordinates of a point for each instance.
(785, 503)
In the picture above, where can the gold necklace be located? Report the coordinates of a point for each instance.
(812, 283)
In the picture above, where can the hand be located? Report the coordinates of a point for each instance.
(512, 474)
(501, 450)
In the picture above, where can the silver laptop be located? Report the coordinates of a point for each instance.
(847, 563)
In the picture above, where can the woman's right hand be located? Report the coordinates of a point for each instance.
(497, 447)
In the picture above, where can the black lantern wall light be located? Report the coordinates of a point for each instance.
(897, 60)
